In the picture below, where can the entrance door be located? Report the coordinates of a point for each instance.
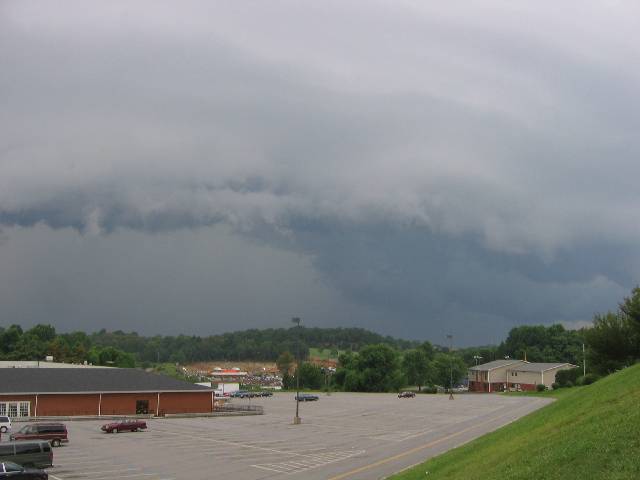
(142, 407)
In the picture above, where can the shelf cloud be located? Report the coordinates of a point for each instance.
(435, 168)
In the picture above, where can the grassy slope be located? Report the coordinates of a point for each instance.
(589, 433)
(322, 353)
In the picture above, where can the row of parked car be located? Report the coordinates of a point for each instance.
(250, 394)
(30, 449)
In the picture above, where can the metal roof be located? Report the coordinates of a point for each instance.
(538, 367)
(496, 364)
(79, 380)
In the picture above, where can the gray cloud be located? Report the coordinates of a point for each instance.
(440, 168)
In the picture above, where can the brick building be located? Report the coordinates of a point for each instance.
(39, 392)
(508, 374)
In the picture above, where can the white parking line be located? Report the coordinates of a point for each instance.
(312, 461)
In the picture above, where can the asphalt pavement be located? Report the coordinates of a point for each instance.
(342, 436)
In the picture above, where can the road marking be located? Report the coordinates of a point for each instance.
(312, 461)
(426, 445)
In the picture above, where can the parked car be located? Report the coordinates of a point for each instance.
(15, 471)
(266, 394)
(5, 424)
(54, 433)
(306, 397)
(37, 453)
(124, 426)
(406, 395)
(240, 394)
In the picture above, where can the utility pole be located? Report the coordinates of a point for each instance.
(584, 361)
(450, 337)
(296, 419)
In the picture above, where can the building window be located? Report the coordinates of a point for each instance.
(15, 409)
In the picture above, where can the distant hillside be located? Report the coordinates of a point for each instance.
(254, 344)
(588, 433)
(123, 349)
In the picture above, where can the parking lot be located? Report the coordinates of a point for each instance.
(345, 435)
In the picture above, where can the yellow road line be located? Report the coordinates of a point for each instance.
(422, 447)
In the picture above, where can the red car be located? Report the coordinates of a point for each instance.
(124, 426)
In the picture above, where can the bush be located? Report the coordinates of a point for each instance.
(555, 386)
(431, 389)
(564, 377)
(587, 379)
(540, 387)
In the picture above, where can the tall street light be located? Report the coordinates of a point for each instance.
(450, 338)
(296, 419)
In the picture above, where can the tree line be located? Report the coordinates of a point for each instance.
(368, 362)
(611, 343)
(130, 349)
(378, 368)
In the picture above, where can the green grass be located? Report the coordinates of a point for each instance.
(588, 433)
(547, 393)
(323, 353)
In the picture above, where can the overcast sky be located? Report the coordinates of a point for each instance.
(416, 168)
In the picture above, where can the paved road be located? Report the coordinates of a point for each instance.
(343, 436)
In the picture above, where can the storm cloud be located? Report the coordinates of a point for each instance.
(417, 169)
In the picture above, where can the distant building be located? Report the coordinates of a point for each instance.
(227, 381)
(48, 363)
(38, 392)
(508, 374)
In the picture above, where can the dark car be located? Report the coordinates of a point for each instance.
(38, 453)
(266, 394)
(54, 433)
(307, 397)
(124, 426)
(240, 394)
(406, 395)
(13, 470)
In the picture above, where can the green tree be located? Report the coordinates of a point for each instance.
(284, 362)
(310, 376)
(378, 369)
(444, 364)
(611, 343)
(44, 333)
(417, 367)
(630, 308)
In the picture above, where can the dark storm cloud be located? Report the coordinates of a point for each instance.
(441, 168)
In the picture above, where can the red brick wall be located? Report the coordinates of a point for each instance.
(477, 386)
(484, 387)
(114, 403)
(527, 387)
(64, 405)
(199, 402)
(125, 403)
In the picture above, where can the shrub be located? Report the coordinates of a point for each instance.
(540, 387)
(563, 377)
(555, 386)
(431, 389)
(587, 379)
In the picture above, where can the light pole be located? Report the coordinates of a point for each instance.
(296, 419)
(450, 337)
(476, 358)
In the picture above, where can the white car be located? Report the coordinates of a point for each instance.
(5, 424)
